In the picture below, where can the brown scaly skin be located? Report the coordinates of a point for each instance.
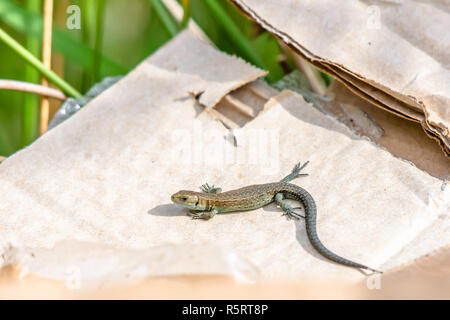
(211, 201)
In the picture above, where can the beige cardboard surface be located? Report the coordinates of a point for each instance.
(91, 199)
(395, 52)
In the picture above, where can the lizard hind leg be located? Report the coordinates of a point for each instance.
(295, 172)
(286, 207)
(210, 189)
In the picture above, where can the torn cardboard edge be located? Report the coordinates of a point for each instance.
(243, 104)
(423, 278)
(352, 113)
(126, 266)
(401, 105)
(401, 137)
(379, 98)
(221, 82)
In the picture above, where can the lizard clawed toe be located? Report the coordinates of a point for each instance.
(195, 215)
(295, 173)
(210, 189)
(292, 215)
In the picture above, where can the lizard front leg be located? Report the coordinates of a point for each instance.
(210, 189)
(203, 214)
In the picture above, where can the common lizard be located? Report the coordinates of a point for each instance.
(212, 201)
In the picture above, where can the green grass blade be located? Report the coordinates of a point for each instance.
(328, 79)
(27, 56)
(6, 146)
(267, 47)
(166, 18)
(157, 34)
(235, 34)
(98, 39)
(87, 6)
(30, 115)
(62, 41)
(186, 13)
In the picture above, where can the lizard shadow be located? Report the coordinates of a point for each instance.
(167, 210)
(300, 230)
(302, 237)
(172, 210)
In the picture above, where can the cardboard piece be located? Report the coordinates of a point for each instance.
(370, 46)
(94, 193)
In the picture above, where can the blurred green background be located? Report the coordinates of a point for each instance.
(115, 35)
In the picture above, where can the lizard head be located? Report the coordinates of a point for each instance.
(188, 199)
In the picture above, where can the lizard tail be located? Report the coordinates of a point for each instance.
(311, 212)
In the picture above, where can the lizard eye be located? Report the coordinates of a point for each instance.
(183, 198)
